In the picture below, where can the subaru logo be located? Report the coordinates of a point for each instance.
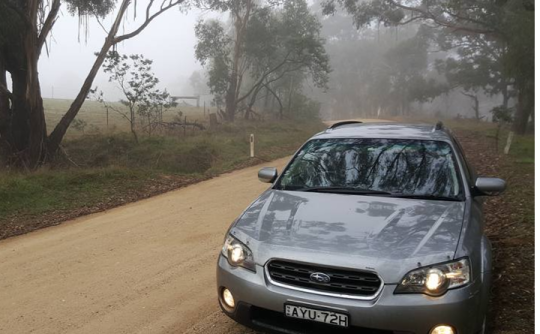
(320, 278)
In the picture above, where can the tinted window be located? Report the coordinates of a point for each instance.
(407, 167)
(470, 174)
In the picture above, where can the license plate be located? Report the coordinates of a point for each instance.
(324, 316)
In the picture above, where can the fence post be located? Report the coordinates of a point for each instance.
(509, 142)
(252, 145)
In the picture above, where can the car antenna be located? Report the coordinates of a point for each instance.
(438, 126)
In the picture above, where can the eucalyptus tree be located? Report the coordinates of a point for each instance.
(25, 26)
(240, 13)
(509, 22)
(277, 41)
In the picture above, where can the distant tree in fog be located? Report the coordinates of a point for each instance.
(197, 81)
(509, 23)
(377, 70)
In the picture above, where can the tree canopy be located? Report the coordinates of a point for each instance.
(276, 42)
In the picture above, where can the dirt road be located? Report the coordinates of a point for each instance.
(147, 267)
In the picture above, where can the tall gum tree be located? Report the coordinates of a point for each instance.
(25, 26)
(278, 41)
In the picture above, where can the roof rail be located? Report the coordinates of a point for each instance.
(438, 126)
(338, 124)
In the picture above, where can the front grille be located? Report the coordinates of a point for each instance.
(354, 283)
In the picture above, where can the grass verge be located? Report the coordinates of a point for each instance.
(509, 222)
(103, 171)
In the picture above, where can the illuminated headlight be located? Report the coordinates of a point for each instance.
(238, 254)
(442, 329)
(437, 279)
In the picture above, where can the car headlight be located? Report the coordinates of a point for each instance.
(238, 254)
(437, 279)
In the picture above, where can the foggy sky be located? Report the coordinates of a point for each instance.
(169, 40)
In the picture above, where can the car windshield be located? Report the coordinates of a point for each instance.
(391, 167)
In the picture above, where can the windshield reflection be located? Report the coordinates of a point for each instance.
(397, 166)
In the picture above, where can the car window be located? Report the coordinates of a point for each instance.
(470, 173)
(406, 167)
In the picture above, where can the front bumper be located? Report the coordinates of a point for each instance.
(260, 305)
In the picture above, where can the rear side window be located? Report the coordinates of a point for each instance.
(470, 173)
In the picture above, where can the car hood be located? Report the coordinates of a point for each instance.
(390, 236)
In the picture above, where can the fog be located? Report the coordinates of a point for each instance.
(357, 57)
(169, 41)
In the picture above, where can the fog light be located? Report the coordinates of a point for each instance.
(229, 300)
(442, 329)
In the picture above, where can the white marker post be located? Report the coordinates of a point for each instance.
(509, 142)
(252, 145)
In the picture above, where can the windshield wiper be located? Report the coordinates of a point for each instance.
(344, 190)
(428, 197)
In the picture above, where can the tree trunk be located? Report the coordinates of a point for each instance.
(22, 129)
(132, 121)
(476, 103)
(61, 128)
(524, 108)
(231, 96)
(37, 149)
(476, 108)
(506, 95)
(23, 134)
(276, 96)
(240, 24)
(290, 96)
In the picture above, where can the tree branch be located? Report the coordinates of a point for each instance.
(149, 18)
(60, 130)
(264, 76)
(48, 25)
(276, 96)
(426, 14)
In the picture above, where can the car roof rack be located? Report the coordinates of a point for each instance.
(439, 126)
(338, 124)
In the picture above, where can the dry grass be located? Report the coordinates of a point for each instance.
(95, 114)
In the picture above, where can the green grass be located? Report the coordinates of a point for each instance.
(99, 167)
(523, 149)
(47, 190)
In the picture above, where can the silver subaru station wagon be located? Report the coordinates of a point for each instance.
(371, 228)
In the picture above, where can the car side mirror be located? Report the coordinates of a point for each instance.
(489, 186)
(268, 174)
